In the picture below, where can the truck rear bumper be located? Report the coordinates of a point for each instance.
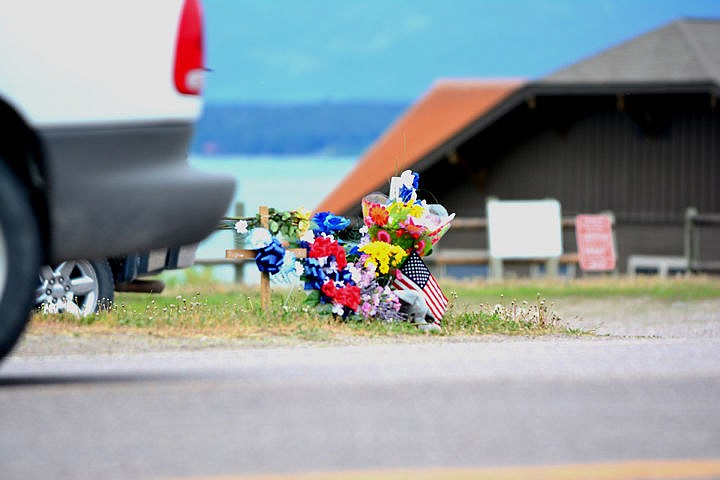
(114, 190)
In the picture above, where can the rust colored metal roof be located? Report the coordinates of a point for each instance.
(448, 107)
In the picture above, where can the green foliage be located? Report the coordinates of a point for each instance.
(286, 225)
(293, 316)
(671, 289)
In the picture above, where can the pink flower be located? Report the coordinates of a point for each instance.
(383, 236)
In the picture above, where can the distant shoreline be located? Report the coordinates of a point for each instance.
(321, 129)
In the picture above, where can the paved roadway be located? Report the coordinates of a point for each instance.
(378, 406)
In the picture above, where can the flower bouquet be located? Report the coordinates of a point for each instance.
(402, 219)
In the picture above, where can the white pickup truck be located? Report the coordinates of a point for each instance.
(98, 100)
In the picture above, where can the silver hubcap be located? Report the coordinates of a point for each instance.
(70, 287)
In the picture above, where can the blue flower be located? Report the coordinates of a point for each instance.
(409, 181)
(270, 258)
(326, 222)
(314, 274)
(406, 194)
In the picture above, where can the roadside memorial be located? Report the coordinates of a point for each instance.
(371, 270)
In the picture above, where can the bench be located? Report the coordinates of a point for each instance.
(662, 264)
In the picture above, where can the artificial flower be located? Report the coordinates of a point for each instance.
(307, 237)
(313, 274)
(412, 228)
(383, 255)
(241, 227)
(378, 215)
(259, 238)
(408, 186)
(326, 222)
(329, 289)
(348, 296)
(323, 246)
(383, 236)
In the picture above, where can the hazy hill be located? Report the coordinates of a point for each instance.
(328, 128)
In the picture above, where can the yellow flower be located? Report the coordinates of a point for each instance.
(302, 214)
(303, 219)
(303, 226)
(416, 211)
(383, 255)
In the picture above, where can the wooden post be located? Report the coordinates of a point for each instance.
(692, 244)
(264, 276)
(496, 268)
(239, 267)
(249, 255)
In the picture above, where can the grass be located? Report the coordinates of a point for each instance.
(199, 307)
(670, 289)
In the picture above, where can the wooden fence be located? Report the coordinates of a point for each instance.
(689, 261)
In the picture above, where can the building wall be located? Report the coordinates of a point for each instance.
(646, 173)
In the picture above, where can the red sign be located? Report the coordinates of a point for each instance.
(596, 247)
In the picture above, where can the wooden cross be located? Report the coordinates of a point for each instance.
(249, 255)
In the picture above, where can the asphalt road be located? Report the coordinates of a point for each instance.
(377, 406)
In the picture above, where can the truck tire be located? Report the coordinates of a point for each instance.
(80, 287)
(20, 254)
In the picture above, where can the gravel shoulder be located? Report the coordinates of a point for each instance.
(606, 319)
(644, 317)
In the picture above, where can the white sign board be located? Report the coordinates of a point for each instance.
(524, 229)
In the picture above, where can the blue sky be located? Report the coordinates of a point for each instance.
(293, 51)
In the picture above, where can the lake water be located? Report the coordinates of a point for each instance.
(281, 182)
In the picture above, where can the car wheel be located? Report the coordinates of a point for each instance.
(80, 287)
(20, 253)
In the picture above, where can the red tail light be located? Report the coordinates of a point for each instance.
(189, 50)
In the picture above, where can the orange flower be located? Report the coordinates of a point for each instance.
(412, 228)
(379, 214)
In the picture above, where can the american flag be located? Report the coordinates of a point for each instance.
(414, 275)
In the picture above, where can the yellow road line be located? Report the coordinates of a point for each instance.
(630, 470)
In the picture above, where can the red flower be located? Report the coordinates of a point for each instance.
(322, 247)
(340, 258)
(348, 296)
(414, 230)
(329, 289)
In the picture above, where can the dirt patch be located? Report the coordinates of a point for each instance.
(644, 317)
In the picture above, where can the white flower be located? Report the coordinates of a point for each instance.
(355, 273)
(259, 238)
(407, 179)
(338, 309)
(308, 236)
(299, 269)
(241, 227)
(364, 230)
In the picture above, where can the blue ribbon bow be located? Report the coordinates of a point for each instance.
(270, 258)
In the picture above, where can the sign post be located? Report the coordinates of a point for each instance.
(595, 242)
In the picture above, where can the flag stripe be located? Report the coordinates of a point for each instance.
(434, 298)
(414, 275)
